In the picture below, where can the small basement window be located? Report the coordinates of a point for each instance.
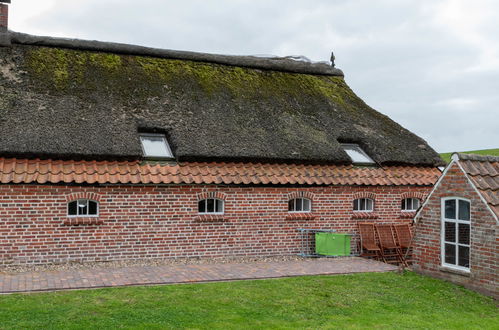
(356, 153)
(211, 206)
(155, 145)
(410, 204)
(363, 205)
(83, 208)
(299, 205)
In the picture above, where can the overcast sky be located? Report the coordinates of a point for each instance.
(432, 66)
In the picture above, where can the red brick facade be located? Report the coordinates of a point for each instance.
(161, 221)
(484, 228)
(4, 16)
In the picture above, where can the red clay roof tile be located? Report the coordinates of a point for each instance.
(133, 172)
(484, 173)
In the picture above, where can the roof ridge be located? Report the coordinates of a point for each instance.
(477, 157)
(285, 64)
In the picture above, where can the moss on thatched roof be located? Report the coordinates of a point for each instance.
(73, 102)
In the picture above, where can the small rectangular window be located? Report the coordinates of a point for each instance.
(211, 205)
(410, 204)
(155, 145)
(83, 208)
(356, 153)
(363, 204)
(299, 205)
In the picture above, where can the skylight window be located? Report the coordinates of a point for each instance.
(357, 155)
(155, 145)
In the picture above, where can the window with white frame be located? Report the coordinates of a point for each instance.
(299, 205)
(363, 205)
(455, 235)
(410, 204)
(83, 208)
(211, 206)
(155, 146)
(355, 152)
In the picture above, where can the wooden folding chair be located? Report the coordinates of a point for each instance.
(390, 250)
(404, 239)
(368, 245)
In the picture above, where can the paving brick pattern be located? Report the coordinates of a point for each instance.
(169, 274)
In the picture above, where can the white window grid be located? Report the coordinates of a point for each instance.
(410, 204)
(205, 201)
(81, 202)
(305, 205)
(456, 221)
(363, 205)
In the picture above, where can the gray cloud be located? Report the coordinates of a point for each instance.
(431, 66)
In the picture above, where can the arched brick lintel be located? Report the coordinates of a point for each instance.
(211, 194)
(364, 194)
(301, 194)
(83, 195)
(413, 194)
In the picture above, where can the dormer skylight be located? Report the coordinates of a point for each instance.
(356, 153)
(155, 146)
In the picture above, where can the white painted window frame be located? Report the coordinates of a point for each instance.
(457, 244)
(77, 209)
(411, 210)
(300, 198)
(357, 147)
(206, 206)
(141, 135)
(367, 198)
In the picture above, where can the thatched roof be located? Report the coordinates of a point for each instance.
(78, 99)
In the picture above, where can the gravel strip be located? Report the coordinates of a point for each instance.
(16, 269)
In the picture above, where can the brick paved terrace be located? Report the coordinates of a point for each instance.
(99, 277)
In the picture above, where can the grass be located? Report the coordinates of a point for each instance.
(379, 300)
(491, 152)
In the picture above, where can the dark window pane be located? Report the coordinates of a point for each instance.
(82, 207)
(72, 208)
(299, 204)
(202, 206)
(370, 205)
(450, 209)
(415, 204)
(403, 204)
(92, 208)
(362, 204)
(464, 233)
(464, 210)
(210, 205)
(219, 206)
(356, 205)
(306, 205)
(464, 256)
(291, 205)
(450, 232)
(450, 254)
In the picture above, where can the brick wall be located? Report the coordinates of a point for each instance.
(484, 248)
(162, 221)
(4, 17)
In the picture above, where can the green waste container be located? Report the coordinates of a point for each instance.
(332, 244)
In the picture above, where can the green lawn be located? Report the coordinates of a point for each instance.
(380, 300)
(492, 152)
